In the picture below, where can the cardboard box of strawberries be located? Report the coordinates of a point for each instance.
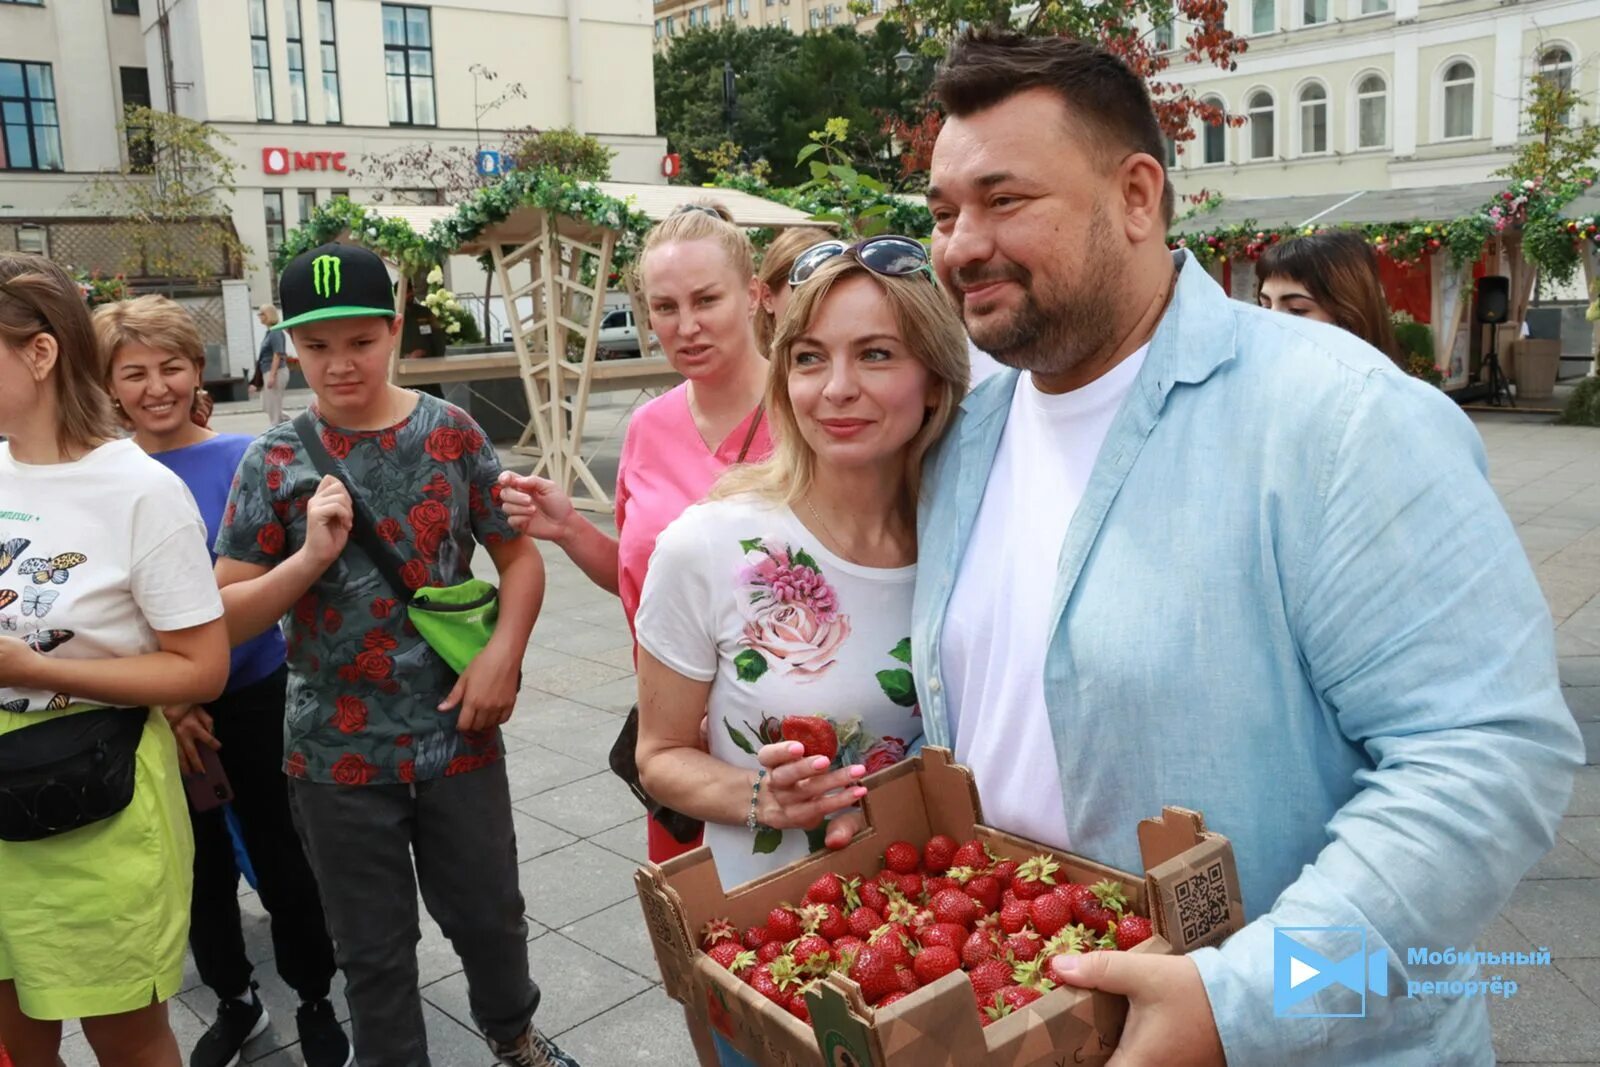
(926, 940)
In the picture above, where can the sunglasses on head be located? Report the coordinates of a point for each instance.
(890, 255)
(713, 212)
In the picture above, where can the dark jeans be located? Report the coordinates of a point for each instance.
(249, 723)
(362, 842)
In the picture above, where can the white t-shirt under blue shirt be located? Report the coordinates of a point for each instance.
(999, 621)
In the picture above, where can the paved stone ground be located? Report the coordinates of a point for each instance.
(580, 834)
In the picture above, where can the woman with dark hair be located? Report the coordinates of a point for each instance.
(1329, 277)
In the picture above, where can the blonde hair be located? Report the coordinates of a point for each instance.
(702, 220)
(269, 315)
(776, 263)
(36, 296)
(162, 324)
(930, 329)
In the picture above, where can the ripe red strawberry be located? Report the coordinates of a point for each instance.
(909, 982)
(763, 982)
(732, 955)
(1008, 1000)
(1014, 915)
(988, 978)
(902, 857)
(815, 733)
(1006, 870)
(809, 947)
(954, 906)
(949, 935)
(847, 944)
(783, 924)
(1035, 877)
(938, 853)
(796, 1005)
(1049, 913)
(1131, 930)
(979, 948)
(937, 884)
(718, 930)
(1100, 907)
(863, 921)
(755, 937)
(891, 998)
(985, 889)
(874, 972)
(934, 963)
(891, 941)
(1025, 945)
(972, 854)
(910, 886)
(770, 951)
(873, 896)
(901, 911)
(829, 921)
(826, 890)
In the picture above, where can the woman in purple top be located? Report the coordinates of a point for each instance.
(154, 376)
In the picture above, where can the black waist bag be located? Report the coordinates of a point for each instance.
(67, 773)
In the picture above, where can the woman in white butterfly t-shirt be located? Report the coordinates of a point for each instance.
(106, 601)
(789, 592)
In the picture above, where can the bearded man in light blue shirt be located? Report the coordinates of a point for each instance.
(1199, 554)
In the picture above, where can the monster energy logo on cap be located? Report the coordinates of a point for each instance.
(335, 281)
(326, 277)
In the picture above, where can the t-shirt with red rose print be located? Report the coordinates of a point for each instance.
(364, 687)
(740, 594)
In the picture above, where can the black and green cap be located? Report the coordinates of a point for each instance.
(334, 281)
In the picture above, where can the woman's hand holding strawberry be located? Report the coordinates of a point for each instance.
(799, 792)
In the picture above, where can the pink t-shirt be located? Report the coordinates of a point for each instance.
(665, 467)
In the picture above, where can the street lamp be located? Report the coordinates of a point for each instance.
(903, 60)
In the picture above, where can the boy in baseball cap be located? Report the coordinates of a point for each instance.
(394, 759)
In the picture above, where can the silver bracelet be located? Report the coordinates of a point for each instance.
(755, 795)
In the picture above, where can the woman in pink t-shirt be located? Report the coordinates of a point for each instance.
(699, 279)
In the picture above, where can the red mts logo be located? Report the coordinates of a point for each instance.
(281, 160)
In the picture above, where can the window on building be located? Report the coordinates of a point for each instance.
(408, 62)
(659, 29)
(1214, 148)
(136, 93)
(671, 25)
(272, 201)
(1313, 12)
(1163, 36)
(33, 239)
(1460, 99)
(1313, 120)
(1263, 132)
(1372, 112)
(786, 23)
(744, 8)
(327, 36)
(1170, 155)
(306, 203)
(816, 18)
(125, 7)
(1374, 7)
(693, 16)
(1555, 65)
(419, 197)
(30, 129)
(1263, 16)
(260, 60)
(830, 11)
(297, 61)
(335, 193)
(24, 3)
(727, 9)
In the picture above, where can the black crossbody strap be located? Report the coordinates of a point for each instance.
(362, 529)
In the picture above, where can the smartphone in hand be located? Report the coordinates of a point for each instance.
(210, 789)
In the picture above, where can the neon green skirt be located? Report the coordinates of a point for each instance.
(96, 921)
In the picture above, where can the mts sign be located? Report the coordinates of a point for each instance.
(282, 161)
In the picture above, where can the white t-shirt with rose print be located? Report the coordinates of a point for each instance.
(740, 594)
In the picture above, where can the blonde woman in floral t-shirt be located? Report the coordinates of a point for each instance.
(789, 593)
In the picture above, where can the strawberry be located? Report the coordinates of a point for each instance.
(902, 857)
(1024, 945)
(1099, 907)
(948, 935)
(1014, 915)
(934, 963)
(938, 884)
(796, 1006)
(769, 951)
(828, 889)
(762, 981)
(1008, 1000)
(891, 998)
(815, 733)
(806, 950)
(783, 924)
(901, 911)
(872, 896)
(954, 906)
(979, 948)
(1131, 930)
(732, 955)
(1035, 877)
(910, 886)
(939, 853)
(755, 937)
(1068, 941)
(718, 930)
(1033, 974)
(892, 942)
(909, 982)
(863, 921)
(988, 978)
(874, 972)
(1006, 870)
(847, 945)
(985, 889)
(828, 921)
(974, 854)
(1049, 913)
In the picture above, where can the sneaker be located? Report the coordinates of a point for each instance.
(322, 1040)
(237, 1023)
(532, 1049)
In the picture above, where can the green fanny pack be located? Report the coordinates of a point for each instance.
(455, 620)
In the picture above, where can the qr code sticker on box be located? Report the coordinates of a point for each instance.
(1202, 900)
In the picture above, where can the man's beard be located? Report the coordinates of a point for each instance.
(1057, 326)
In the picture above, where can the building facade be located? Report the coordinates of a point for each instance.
(308, 91)
(673, 17)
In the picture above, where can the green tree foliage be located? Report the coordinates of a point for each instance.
(572, 153)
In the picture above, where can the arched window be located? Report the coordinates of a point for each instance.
(1555, 64)
(1460, 100)
(1372, 112)
(1313, 119)
(1215, 147)
(1263, 134)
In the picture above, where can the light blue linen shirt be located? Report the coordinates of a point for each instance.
(1290, 600)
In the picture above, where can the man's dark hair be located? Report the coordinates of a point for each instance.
(1102, 96)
